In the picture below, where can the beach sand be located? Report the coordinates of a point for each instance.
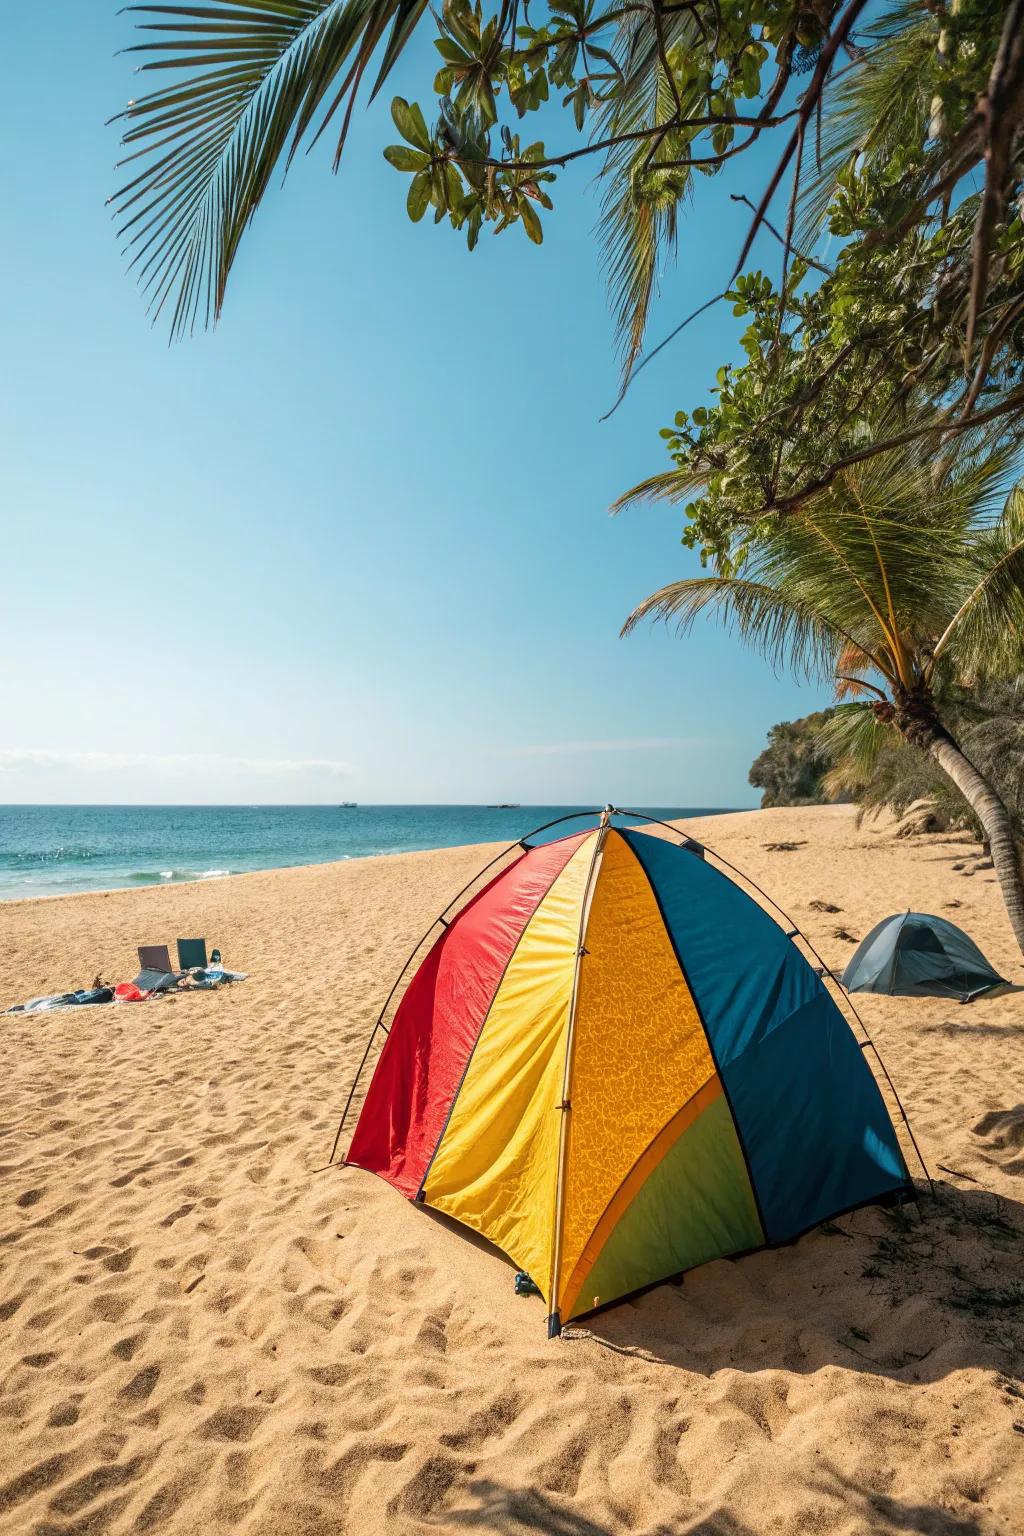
(202, 1330)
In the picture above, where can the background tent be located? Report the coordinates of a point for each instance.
(616, 1066)
(913, 954)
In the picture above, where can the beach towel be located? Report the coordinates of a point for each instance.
(43, 1004)
(83, 997)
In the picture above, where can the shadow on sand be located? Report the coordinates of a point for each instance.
(909, 1294)
(520, 1511)
(954, 1259)
(922, 1290)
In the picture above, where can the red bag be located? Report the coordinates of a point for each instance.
(128, 992)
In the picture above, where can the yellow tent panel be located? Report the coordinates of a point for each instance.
(497, 1165)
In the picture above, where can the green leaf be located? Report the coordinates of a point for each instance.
(405, 159)
(419, 196)
(486, 104)
(453, 186)
(410, 124)
(531, 220)
(451, 52)
(528, 96)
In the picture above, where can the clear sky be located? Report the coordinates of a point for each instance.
(354, 543)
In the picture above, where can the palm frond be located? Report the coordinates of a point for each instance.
(249, 77)
(987, 630)
(882, 102)
(886, 551)
(638, 226)
(852, 668)
(852, 739)
(673, 485)
(786, 631)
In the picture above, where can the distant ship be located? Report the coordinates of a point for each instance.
(506, 805)
(347, 805)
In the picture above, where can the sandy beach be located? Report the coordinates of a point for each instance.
(202, 1329)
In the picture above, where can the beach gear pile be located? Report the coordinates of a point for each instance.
(615, 1065)
(157, 977)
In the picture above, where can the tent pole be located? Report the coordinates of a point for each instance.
(826, 971)
(565, 1107)
(520, 842)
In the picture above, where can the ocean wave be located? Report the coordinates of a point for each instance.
(168, 876)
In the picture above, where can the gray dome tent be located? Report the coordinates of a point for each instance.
(913, 954)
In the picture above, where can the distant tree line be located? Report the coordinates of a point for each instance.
(793, 766)
(802, 766)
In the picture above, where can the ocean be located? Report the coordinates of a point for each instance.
(54, 850)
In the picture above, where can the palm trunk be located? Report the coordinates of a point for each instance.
(914, 714)
(994, 818)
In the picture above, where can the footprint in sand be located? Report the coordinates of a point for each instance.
(104, 1479)
(63, 1415)
(141, 1385)
(1003, 1130)
(126, 1348)
(430, 1486)
(36, 1479)
(233, 1424)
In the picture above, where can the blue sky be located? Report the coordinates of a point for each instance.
(354, 543)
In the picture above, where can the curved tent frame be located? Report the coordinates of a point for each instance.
(603, 816)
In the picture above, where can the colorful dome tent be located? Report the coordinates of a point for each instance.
(615, 1065)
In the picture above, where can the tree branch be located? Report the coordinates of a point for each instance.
(651, 355)
(808, 261)
(634, 136)
(1000, 110)
(1013, 402)
(807, 105)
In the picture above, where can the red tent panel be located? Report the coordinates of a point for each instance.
(440, 1017)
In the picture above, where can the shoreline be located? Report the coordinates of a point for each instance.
(347, 858)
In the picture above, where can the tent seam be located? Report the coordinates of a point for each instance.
(565, 1128)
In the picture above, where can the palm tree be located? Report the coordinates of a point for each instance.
(887, 584)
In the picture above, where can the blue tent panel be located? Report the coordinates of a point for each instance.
(818, 1133)
(814, 1127)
